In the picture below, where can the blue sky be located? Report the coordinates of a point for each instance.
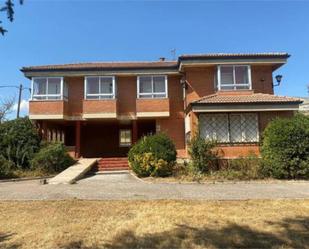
(54, 32)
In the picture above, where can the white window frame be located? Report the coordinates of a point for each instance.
(152, 94)
(234, 85)
(100, 95)
(126, 144)
(60, 95)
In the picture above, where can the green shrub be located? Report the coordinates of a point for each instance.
(153, 155)
(285, 148)
(6, 168)
(202, 153)
(52, 158)
(19, 140)
(243, 168)
(147, 165)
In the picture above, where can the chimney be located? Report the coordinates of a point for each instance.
(162, 59)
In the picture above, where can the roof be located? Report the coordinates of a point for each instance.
(133, 65)
(234, 55)
(243, 99)
(104, 65)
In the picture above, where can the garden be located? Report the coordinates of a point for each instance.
(284, 155)
(24, 154)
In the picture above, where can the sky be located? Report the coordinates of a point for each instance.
(68, 31)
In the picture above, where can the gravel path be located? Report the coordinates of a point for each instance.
(126, 186)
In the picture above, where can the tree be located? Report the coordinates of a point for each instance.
(6, 108)
(8, 8)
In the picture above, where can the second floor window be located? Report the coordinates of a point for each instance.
(48, 88)
(100, 87)
(234, 77)
(152, 86)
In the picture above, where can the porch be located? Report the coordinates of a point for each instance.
(96, 138)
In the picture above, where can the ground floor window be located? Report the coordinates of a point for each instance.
(230, 127)
(125, 138)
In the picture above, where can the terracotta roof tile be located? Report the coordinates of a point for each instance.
(235, 55)
(251, 98)
(105, 65)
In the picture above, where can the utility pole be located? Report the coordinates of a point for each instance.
(19, 100)
(20, 88)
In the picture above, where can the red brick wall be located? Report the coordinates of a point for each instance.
(174, 125)
(76, 95)
(152, 105)
(126, 95)
(49, 107)
(201, 81)
(99, 106)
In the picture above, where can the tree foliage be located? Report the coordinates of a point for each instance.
(8, 8)
(19, 140)
(6, 108)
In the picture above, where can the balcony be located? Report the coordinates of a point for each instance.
(48, 109)
(155, 107)
(96, 109)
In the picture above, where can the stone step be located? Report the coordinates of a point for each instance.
(112, 172)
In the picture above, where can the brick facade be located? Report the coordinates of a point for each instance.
(100, 120)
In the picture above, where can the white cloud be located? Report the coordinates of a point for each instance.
(24, 106)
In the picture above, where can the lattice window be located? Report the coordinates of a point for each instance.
(214, 127)
(233, 128)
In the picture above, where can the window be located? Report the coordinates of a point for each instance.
(101, 87)
(152, 86)
(125, 138)
(230, 128)
(234, 77)
(48, 88)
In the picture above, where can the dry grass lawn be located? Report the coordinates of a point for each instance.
(155, 224)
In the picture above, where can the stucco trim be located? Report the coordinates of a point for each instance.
(152, 114)
(240, 108)
(46, 116)
(100, 115)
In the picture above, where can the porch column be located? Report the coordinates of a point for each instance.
(44, 130)
(134, 131)
(77, 139)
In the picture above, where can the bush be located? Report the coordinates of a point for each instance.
(202, 153)
(285, 148)
(19, 140)
(153, 155)
(52, 158)
(6, 167)
(242, 168)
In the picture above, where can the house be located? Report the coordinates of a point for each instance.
(100, 109)
(304, 107)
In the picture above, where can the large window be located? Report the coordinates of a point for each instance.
(48, 88)
(152, 86)
(102, 87)
(230, 128)
(234, 77)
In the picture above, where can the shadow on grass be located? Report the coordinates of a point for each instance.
(291, 233)
(4, 243)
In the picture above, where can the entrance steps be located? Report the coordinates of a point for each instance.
(113, 164)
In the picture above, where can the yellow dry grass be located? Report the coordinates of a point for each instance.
(155, 224)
